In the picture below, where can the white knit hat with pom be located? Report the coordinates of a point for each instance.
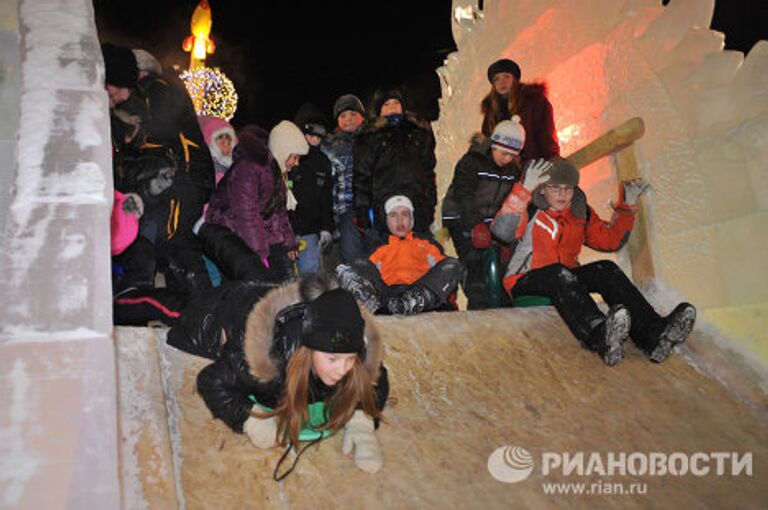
(509, 136)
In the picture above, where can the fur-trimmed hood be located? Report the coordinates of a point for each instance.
(260, 327)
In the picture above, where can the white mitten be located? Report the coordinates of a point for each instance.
(290, 201)
(133, 204)
(634, 189)
(536, 173)
(358, 434)
(261, 431)
(325, 239)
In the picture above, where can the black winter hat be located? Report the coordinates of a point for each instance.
(310, 120)
(345, 103)
(121, 69)
(332, 323)
(503, 65)
(383, 97)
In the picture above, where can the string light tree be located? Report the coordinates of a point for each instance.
(211, 91)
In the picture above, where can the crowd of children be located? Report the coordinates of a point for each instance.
(278, 246)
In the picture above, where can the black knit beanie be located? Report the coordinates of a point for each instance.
(120, 63)
(503, 65)
(332, 323)
(383, 97)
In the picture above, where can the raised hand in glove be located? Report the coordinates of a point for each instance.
(633, 190)
(536, 173)
(359, 435)
(325, 239)
(133, 204)
(481, 236)
(261, 431)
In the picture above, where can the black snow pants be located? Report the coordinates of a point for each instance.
(569, 289)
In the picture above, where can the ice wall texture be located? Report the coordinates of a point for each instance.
(55, 257)
(705, 150)
(57, 368)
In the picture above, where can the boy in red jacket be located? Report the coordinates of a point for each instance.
(406, 275)
(550, 234)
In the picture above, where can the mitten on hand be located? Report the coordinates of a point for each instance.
(536, 173)
(325, 239)
(261, 431)
(359, 435)
(133, 204)
(633, 190)
(481, 236)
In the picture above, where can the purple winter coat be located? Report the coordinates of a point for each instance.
(244, 192)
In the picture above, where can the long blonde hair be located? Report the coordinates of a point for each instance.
(292, 412)
(491, 108)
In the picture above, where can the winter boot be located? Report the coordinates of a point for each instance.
(360, 287)
(610, 335)
(675, 328)
(414, 300)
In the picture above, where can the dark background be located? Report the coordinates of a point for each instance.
(281, 54)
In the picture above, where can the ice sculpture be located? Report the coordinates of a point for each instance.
(705, 149)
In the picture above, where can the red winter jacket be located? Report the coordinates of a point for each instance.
(552, 237)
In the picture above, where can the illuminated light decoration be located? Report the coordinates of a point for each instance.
(199, 44)
(211, 91)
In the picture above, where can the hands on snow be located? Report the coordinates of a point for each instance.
(359, 435)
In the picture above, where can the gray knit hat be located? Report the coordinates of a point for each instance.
(347, 102)
(562, 172)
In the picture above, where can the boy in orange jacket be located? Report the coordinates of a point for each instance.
(408, 274)
(550, 234)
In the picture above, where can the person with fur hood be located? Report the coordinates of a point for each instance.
(551, 232)
(509, 96)
(290, 364)
(221, 140)
(394, 155)
(483, 178)
(252, 199)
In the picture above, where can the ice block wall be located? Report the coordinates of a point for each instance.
(57, 368)
(705, 149)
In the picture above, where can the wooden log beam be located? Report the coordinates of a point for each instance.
(639, 242)
(612, 141)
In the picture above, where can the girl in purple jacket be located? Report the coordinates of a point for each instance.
(251, 198)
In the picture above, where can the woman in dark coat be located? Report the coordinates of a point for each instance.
(509, 96)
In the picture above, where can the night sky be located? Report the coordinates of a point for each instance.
(291, 52)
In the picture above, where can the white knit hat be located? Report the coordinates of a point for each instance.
(509, 136)
(146, 61)
(285, 139)
(398, 201)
